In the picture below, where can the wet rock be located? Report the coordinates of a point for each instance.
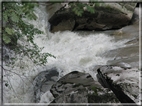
(135, 16)
(120, 64)
(78, 87)
(106, 82)
(105, 97)
(131, 31)
(76, 96)
(133, 61)
(71, 87)
(127, 79)
(128, 55)
(52, 8)
(107, 16)
(134, 41)
(43, 82)
(130, 52)
(64, 25)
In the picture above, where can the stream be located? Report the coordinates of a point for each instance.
(74, 51)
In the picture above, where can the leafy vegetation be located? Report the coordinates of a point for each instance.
(79, 7)
(15, 28)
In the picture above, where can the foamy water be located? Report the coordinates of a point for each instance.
(72, 52)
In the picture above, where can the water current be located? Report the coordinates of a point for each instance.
(73, 51)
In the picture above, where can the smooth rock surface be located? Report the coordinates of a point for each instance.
(130, 52)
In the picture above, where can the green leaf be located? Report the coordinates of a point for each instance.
(90, 9)
(14, 17)
(79, 13)
(9, 30)
(5, 17)
(97, 4)
(6, 39)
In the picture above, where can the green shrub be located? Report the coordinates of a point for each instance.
(14, 28)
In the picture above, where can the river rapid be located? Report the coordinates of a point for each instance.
(80, 51)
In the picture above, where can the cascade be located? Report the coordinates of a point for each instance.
(73, 51)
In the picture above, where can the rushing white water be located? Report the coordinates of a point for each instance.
(72, 50)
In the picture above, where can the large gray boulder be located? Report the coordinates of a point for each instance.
(125, 76)
(78, 87)
(106, 16)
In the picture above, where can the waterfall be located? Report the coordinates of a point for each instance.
(73, 51)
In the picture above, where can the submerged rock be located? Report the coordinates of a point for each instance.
(43, 82)
(106, 16)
